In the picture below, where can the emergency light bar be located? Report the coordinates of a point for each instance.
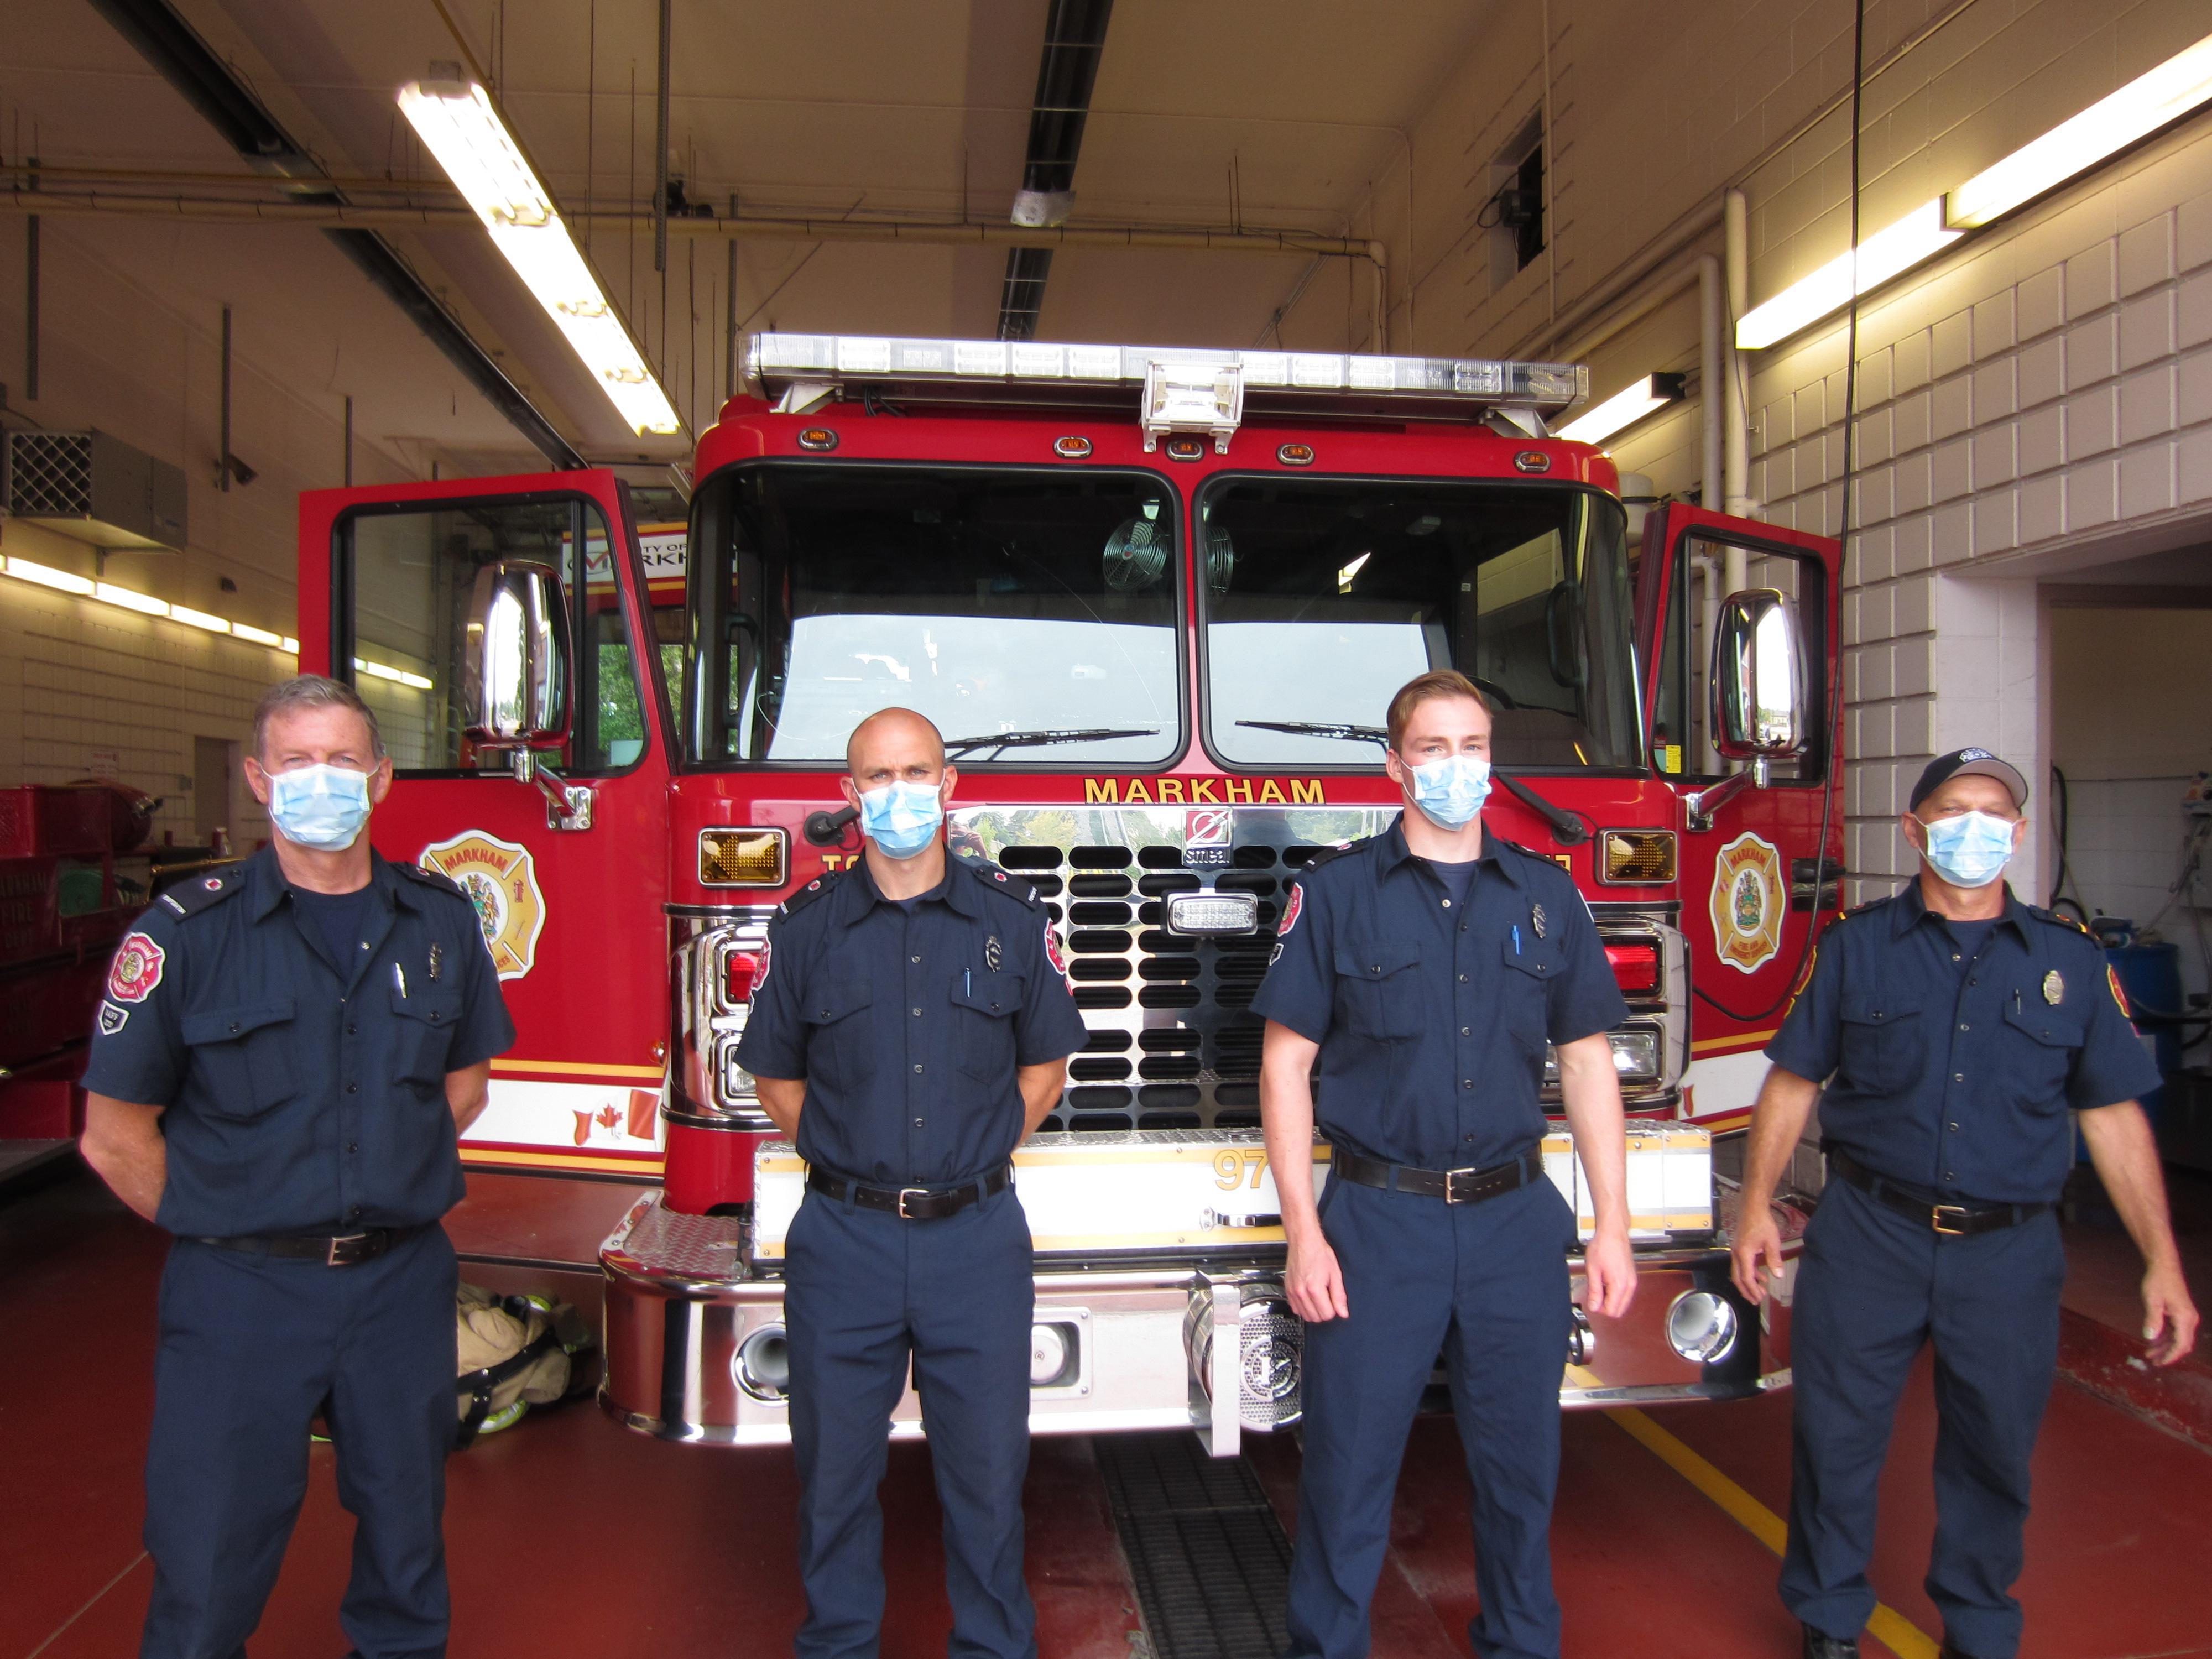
(1178, 389)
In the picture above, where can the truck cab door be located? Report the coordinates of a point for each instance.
(570, 904)
(1760, 867)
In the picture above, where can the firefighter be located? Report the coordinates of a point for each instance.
(286, 1054)
(1955, 1027)
(1426, 968)
(911, 1026)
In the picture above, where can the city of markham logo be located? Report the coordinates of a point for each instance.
(1749, 900)
(502, 883)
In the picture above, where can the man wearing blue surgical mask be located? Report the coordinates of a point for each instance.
(288, 1051)
(911, 1024)
(1962, 1037)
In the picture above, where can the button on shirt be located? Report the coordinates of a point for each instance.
(1952, 1067)
(1431, 1013)
(909, 1021)
(305, 1087)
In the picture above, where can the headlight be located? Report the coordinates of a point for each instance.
(1204, 915)
(1635, 1055)
(1701, 1326)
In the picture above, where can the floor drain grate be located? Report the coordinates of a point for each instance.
(1209, 1559)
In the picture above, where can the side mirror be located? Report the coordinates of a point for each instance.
(514, 675)
(1759, 677)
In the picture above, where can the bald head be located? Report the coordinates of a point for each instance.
(894, 745)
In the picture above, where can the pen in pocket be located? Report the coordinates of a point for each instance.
(399, 979)
(1516, 939)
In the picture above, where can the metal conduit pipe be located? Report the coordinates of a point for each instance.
(1712, 380)
(1736, 435)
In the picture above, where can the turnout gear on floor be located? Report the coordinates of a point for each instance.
(515, 1352)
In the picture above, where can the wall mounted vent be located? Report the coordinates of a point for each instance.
(96, 489)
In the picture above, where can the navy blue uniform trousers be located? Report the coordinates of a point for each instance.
(250, 1349)
(865, 1294)
(1873, 1286)
(1484, 1285)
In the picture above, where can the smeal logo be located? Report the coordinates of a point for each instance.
(1202, 792)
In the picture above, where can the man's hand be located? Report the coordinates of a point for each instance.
(1609, 1273)
(1314, 1280)
(1757, 1242)
(2167, 1309)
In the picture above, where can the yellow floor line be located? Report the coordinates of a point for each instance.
(1888, 1626)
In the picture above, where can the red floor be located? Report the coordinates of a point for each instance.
(569, 1537)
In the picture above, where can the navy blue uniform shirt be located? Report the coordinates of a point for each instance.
(1954, 1070)
(1432, 1014)
(907, 1023)
(303, 1095)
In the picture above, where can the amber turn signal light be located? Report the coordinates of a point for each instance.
(748, 857)
(1636, 858)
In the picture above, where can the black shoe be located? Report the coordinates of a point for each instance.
(1818, 1644)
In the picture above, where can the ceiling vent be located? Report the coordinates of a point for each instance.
(96, 489)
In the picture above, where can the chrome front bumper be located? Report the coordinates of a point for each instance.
(693, 1341)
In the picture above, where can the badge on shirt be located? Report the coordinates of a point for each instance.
(2054, 988)
(1536, 919)
(113, 1018)
(135, 970)
(437, 961)
(993, 954)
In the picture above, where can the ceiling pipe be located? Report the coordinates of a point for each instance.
(1074, 39)
(1712, 381)
(1736, 436)
(172, 49)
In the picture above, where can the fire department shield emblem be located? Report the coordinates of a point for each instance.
(500, 881)
(1052, 951)
(1291, 906)
(1749, 900)
(135, 970)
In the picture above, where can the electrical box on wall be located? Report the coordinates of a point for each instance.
(96, 489)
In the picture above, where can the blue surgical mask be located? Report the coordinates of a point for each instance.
(320, 806)
(1450, 791)
(902, 818)
(1969, 850)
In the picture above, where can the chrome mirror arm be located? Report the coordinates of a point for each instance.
(1705, 802)
(567, 805)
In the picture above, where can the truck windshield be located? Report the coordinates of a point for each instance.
(993, 601)
(1326, 595)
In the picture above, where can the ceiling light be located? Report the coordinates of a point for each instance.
(1882, 256)
(193, 618)
(1623, 408)
(289, 645)
(128, 599)
(458, 123)
(397, 676)
(47, 576)
(258, 635)
(2143, 106)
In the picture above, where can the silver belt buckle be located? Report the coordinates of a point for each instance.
(905, 1193)
(1450, 1176)
(331, 1257)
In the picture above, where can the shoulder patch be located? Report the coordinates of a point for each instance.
(991, 875)
(803, 897)
(197, 893)
(436, 879)
(1330, 855)
(135, 970)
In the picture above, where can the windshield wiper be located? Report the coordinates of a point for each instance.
(1324, 729)
(997, 742)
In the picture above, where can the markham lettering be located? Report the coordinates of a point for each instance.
(1201, 792)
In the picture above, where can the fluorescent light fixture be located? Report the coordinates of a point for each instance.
(290, 646)
(2143, 106)
(1625, 409)
(458, 123)
(127, 598)
(258, 635)
(1882, 256)
(47, 576)
(192, 618)
(397, 676)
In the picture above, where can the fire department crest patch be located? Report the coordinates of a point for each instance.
(500, 881)
(135, 970)
(1291, 906)
(1053, 953)
(1748, 903)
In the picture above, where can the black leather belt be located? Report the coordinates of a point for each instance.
(1952, 1220)
(1452, 1186)
(910, 1203)
(331, 1249)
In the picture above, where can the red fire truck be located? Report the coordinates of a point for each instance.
(1157, 600)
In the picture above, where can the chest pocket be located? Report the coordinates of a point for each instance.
(1524, 988)
(841, 1038)
(245, 1056)
(983, 1007)
(423, 1037)
(2039, 1047)
(1884, 1046)
(1376, 991)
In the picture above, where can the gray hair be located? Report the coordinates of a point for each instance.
(307, 691)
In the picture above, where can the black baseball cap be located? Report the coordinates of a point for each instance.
(1970, 763)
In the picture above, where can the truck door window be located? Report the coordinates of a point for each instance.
(1016, 603)
(1325, 595)
(1681, 739)
(404, 582)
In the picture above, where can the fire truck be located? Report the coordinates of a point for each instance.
(1157, 601)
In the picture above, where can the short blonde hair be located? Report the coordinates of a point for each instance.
(1425, 688)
